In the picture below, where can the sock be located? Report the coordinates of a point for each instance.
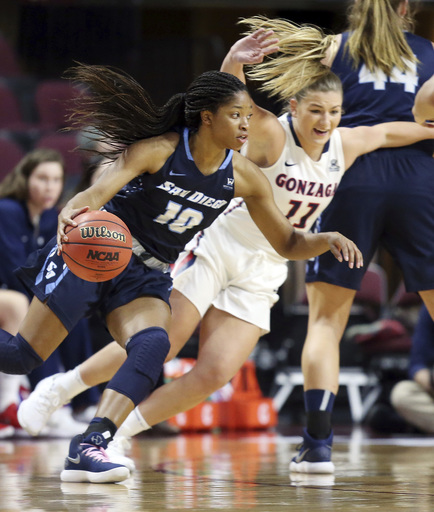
(319, 405)
(72, 382)
(9, 390)
(103, 426)
(134, 424)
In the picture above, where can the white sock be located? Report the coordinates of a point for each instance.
(72, 382)
(134, 424)
(9, 390)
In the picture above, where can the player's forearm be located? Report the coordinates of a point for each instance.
(232, 66)
(85, 198)
(304, 246)
(402, 134)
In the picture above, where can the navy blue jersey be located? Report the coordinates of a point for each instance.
(370, 99)
(19, 237)
(165, 210)
(385, 197)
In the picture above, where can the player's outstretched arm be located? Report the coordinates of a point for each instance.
(252, 185)
(364, 139)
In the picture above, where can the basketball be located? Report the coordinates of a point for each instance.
(99, 247)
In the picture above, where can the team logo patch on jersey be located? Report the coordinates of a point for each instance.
(334, 167)
(230, 184)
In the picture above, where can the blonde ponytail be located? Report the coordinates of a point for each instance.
(298, 63)
(377, 36)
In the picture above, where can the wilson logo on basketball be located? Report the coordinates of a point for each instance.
(102, 255)
(101, 232)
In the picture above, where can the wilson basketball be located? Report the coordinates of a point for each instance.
(99, 247)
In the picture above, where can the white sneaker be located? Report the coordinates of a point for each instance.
(63, 425)
(36, 410)
(116, 450)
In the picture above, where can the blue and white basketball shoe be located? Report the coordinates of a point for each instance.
(87, 461)
(314, 455)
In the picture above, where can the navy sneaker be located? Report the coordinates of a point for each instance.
(87, 461)
(314, 455)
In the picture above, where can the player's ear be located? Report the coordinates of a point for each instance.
(206, 117)
(293, 107)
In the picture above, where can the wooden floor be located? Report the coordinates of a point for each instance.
(246, 471)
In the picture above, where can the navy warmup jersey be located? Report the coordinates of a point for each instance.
(19, 238)
(165, 210)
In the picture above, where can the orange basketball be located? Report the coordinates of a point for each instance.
(99, 247)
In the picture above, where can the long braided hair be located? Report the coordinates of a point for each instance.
(120, 111)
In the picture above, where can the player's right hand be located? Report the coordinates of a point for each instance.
(253, 48)
(66, 218)
(345, 249)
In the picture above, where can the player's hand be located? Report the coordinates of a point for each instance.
(420, 119)
(253, 48)
(345, 249)
(66, 218)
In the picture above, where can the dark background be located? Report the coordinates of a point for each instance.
(162, 43)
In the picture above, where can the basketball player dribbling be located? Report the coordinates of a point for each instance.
(167, 184)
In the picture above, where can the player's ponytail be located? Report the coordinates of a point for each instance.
(119, 111)
(298, 63)
(377, 35)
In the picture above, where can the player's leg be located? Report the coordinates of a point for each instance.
(40, 333)
(141, 327)
(331, 290)
(329, 308)
(225, 344)
(57, 390)
(13, 308)
(241, 286)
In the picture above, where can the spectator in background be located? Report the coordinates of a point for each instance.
(28, 219)
(413, 399)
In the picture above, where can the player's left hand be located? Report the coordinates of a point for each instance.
(345, 249)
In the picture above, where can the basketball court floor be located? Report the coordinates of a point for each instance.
(227, 472)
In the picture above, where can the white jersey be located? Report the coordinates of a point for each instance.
(231, 265)
(302, 189)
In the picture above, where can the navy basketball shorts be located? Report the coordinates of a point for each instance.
(71, 298)
(385, 199)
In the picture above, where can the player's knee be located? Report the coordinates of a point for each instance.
(17, 357)
(147, 351)
(211, 376)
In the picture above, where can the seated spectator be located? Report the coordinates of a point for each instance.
(413, 399)
(28, 220)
